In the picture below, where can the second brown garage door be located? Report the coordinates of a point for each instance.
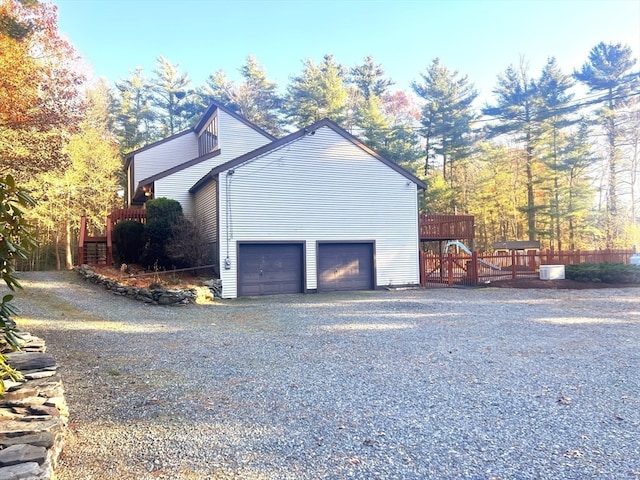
(345, 266)
(270, 268)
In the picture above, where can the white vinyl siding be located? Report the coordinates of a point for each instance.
(206, 212)
(235, 139)
(164, 156)
(321, 188)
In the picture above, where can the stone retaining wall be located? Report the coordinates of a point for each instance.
(157, 296)
(33, 415)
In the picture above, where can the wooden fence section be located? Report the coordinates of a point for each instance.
(549, 257)
(478, 269)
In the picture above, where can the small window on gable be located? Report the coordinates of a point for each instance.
(208, 140)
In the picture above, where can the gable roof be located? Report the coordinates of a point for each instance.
(213, 106)
(204, 119)
(169, 171)
(310, 130)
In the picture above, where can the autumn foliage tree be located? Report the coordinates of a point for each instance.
(54, 128)
(39, 102)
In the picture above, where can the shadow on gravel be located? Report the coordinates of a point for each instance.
(474, 383)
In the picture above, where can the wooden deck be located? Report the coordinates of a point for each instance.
(99, 250)
(446, 227)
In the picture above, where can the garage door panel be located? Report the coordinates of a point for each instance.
(268, 269)
(345, 266)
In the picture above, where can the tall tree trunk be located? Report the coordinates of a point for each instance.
(56, 246)
(556, 212)
(68, 250)
(611, 229)
(531, 209)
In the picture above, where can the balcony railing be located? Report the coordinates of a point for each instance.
(446, 227)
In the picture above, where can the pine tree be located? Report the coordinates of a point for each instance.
(516, 110)
(133, 112)
(369, 78)
(171, 99)
(255, 99)
(609, 71)
(446, 117)
(554, 115)
(318, 92)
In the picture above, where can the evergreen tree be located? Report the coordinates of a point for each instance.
(554, 114)
(380, 118)
(255, 99)
(402, 143)
(369, 79)
(575, 165)
(372, 124)
(609, 71)
(172, 97)
(134, 116)
(630, 168)
(446, 117)
(516, 109)
(318, 92)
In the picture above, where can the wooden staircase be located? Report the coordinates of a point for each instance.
(99, 250)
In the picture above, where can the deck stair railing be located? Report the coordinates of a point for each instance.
(98, 250)
(93, 250)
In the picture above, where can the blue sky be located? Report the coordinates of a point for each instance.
(479, 38)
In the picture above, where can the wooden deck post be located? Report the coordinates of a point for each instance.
(109, 252)
(81, 240)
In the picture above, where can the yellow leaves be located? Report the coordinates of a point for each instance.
(18, 90)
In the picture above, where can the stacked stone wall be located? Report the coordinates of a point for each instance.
(33, 414)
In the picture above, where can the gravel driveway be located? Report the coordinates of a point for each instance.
(418, 384)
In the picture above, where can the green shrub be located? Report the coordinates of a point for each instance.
(604, 272)
(187, 247)
(162, 213)
(163, 209)
(128, 240)
(16, 241)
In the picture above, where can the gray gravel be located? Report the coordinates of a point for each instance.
(418, 384)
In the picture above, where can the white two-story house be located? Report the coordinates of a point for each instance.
(316, 210)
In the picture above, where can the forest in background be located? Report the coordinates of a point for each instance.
(552, 156)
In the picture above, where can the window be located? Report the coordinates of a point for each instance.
(208, 140)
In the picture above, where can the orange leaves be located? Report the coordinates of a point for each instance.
(18, 92)
(39, 96)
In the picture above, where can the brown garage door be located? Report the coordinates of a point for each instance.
(269, 268)
(345, 266)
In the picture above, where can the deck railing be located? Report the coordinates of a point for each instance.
(446, 227)
(122, 214)
(94, 250)
(99, 250)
